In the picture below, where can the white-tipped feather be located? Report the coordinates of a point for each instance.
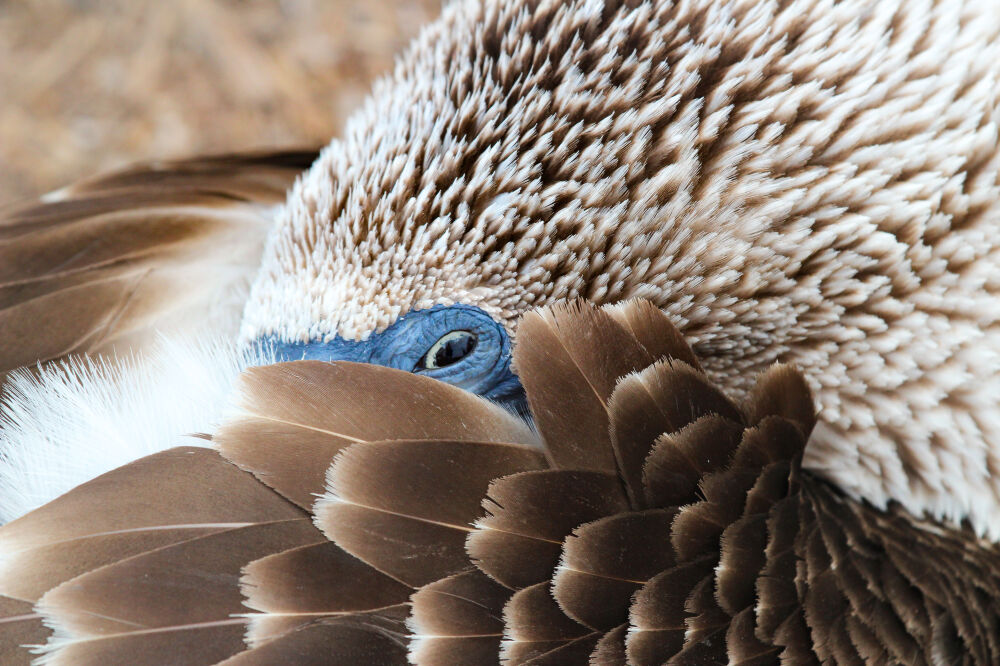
(73, 421)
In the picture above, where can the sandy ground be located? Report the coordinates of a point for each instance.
(88, 85)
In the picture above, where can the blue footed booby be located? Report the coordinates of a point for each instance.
(807, 183)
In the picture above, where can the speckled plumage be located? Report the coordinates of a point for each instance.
(806, 181)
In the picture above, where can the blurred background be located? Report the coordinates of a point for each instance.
(88, 85)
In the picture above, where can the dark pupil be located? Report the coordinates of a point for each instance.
(455, 350)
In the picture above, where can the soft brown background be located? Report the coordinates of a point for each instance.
(87, 85)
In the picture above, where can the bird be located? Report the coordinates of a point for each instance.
(790, 181)
(352, 513)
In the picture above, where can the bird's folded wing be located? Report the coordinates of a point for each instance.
(102, 265)
(437, 534)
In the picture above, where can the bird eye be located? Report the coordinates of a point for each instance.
(450, 349)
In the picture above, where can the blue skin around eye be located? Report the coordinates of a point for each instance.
(485, 371)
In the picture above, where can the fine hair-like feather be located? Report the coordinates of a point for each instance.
(71, 421)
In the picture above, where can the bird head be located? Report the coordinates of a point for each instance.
(517, 158)
(477, 183)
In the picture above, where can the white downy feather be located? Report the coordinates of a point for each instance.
(76, 420)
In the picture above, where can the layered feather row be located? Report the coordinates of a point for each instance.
(111, 262)
(357, 514)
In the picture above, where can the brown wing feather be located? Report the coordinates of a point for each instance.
(661, 399)
(654, 331)
(535, 626)
(605, 561)
(385, 499)
(679, 460)
(298, 416)
(102, 265)
(148, 520)
(575, 354)
(375, 639)
(387, 504)
(158, 500)
(782, 391)
(529, 514)
(20, 626)
(458, 619)
(574, 652)
(610, 649)
(300, 585)
(742, 558)
(658, 614)
(201, 646)
(188, 584)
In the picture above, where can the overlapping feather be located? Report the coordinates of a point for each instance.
(107, 263)
(374, 516)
